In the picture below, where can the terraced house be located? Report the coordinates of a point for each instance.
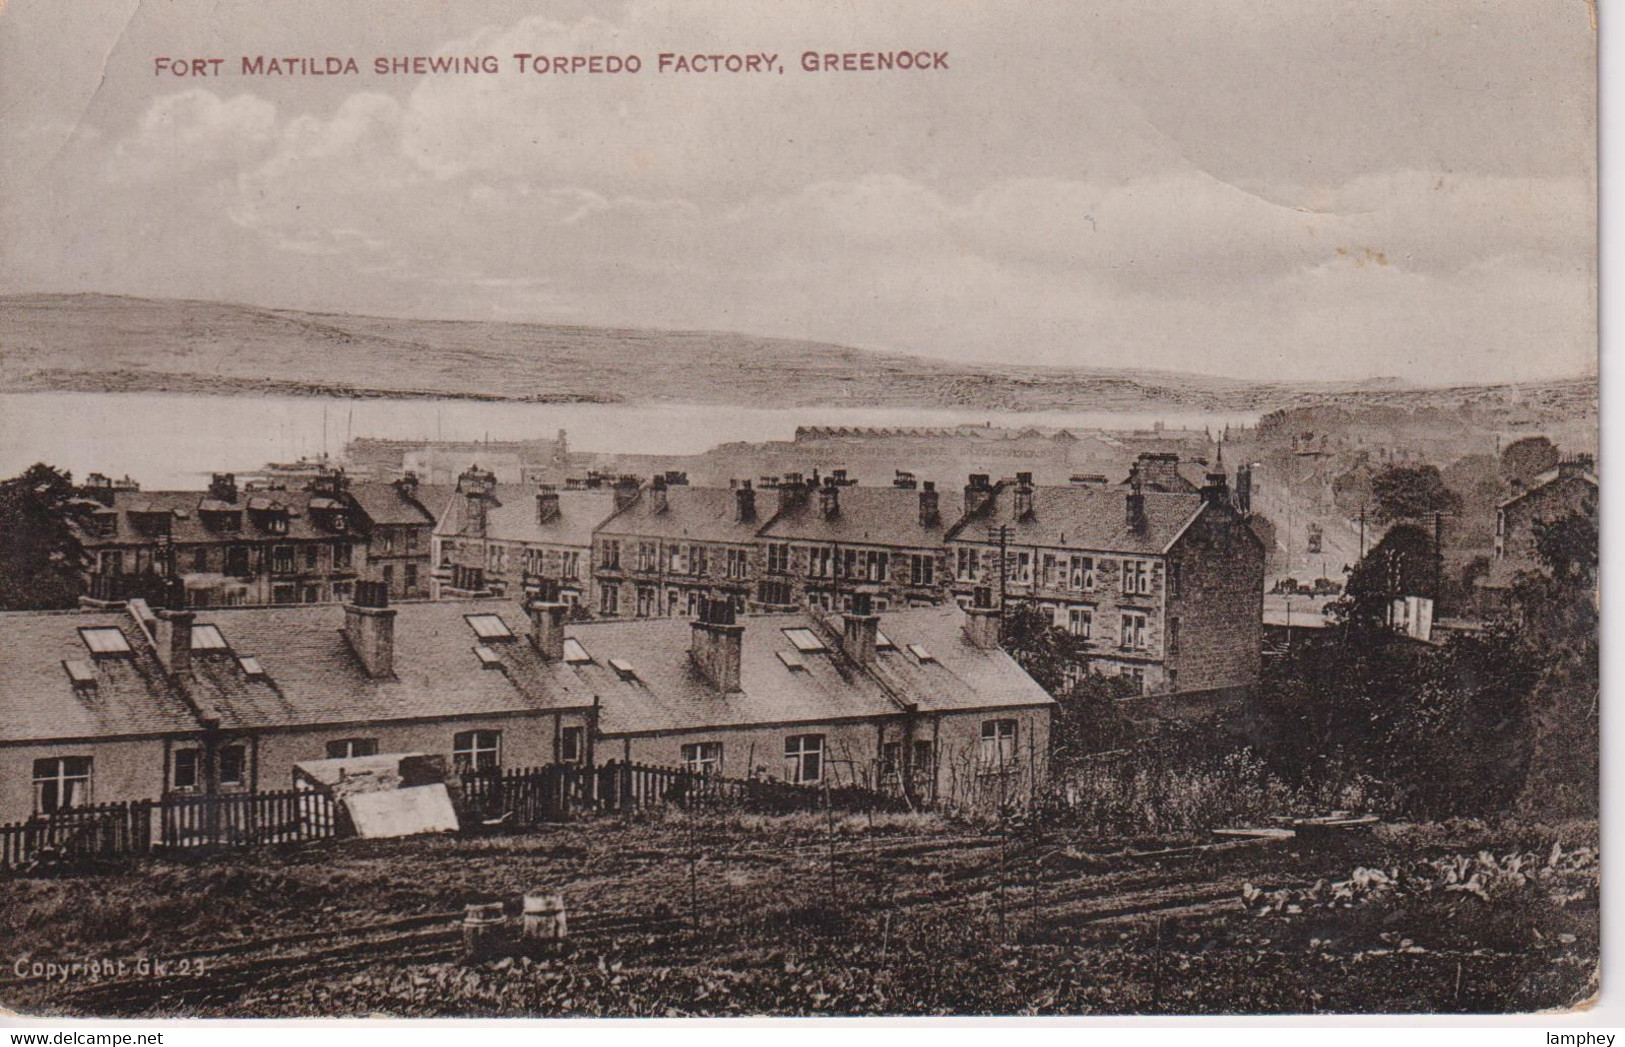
(131, 702)
(229, 546)
(513, 539)
(670, 546)
(1166, 586)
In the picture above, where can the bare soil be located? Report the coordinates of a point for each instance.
(716, 915)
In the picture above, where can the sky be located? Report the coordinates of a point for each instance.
(1342, 189)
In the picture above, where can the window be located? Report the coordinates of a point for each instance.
(820, 561)
(1080, 622)
(277, 523)
(185, 773)
(574, 653)
(350, 748)
(1137, 577)
(310, 557)
(611, 555)
(386, 540)
(569, 564)
(1172, 640)
(674, 599)
(208, 638)
(1136, 675)
(677, 559)
(237, 561)
(998, 751)
(200, 558)
(342, 591)
(609, 601)
(411, 541)
(105, 640)
(922, 570)
(110, 562)
(284, 594)
(646, 601)
(573, 744)
(1133, 637)
(778, 558)
(476, 750)
(875, 565)
(233, 764)
(389, 578)
(967, 563)
(891, 756)
(1050, 576)
(703, 757)
(489, 626)
(776, 594)
(805, 640)
(341, 556)
(61, 782)
(1175, 578)
(411, 583)
(924, 760)
(924, 656)
(648, 555)
(1081, 573)
(1024, 569)
(804, 757)
(738, 563)
(282, 559)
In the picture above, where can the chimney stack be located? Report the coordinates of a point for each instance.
(1023, 496)
(978, 493)
(829, 499)
(862, 628)
(792, 492)
(1216, 491)
(173, 640)
(745, 502)
(547, 614)
(408, 485)
(1160, 470)
(547, 503)
(1244, 488)
(930, 505)
(1135, 502)
(657, 495)
(626, 492)
(717, 644)
(982, 620)
(223, 487)
(369, 626)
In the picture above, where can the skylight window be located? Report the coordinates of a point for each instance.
(624, 668)
(489, 627)
(488, 658)
(208, 638)
(921, 653)
(574, 653)
(251, 667)
(883, 642)
(83, 674)
(806, 641)
(792, 661)
(105, 640)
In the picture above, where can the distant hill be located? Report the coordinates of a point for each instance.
(108, 343)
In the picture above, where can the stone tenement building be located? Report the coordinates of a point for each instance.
(1166, 586)
(511, 539)
(1570, 488)
(229, 546)
(831, 542)
(670, 546)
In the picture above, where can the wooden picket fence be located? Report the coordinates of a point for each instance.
(174, 823)
(527, 796)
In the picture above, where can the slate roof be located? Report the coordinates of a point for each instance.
(1548, 478)
(38, 701)
(670, 694)
(869, 515)
(706, 514)
(1084, 518)
(311, 677)
(187, 524)
(385, 504)
(513, 518)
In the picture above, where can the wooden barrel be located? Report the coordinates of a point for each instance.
(542, 917)
(482, 929)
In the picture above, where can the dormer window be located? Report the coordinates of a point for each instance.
(277, 524)
(489, 626)
(105, 641)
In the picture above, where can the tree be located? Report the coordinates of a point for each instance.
(1088, 719)
(1411, 493)
(1523, 460)
(41, 559)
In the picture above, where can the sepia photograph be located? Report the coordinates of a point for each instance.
(732, 509)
